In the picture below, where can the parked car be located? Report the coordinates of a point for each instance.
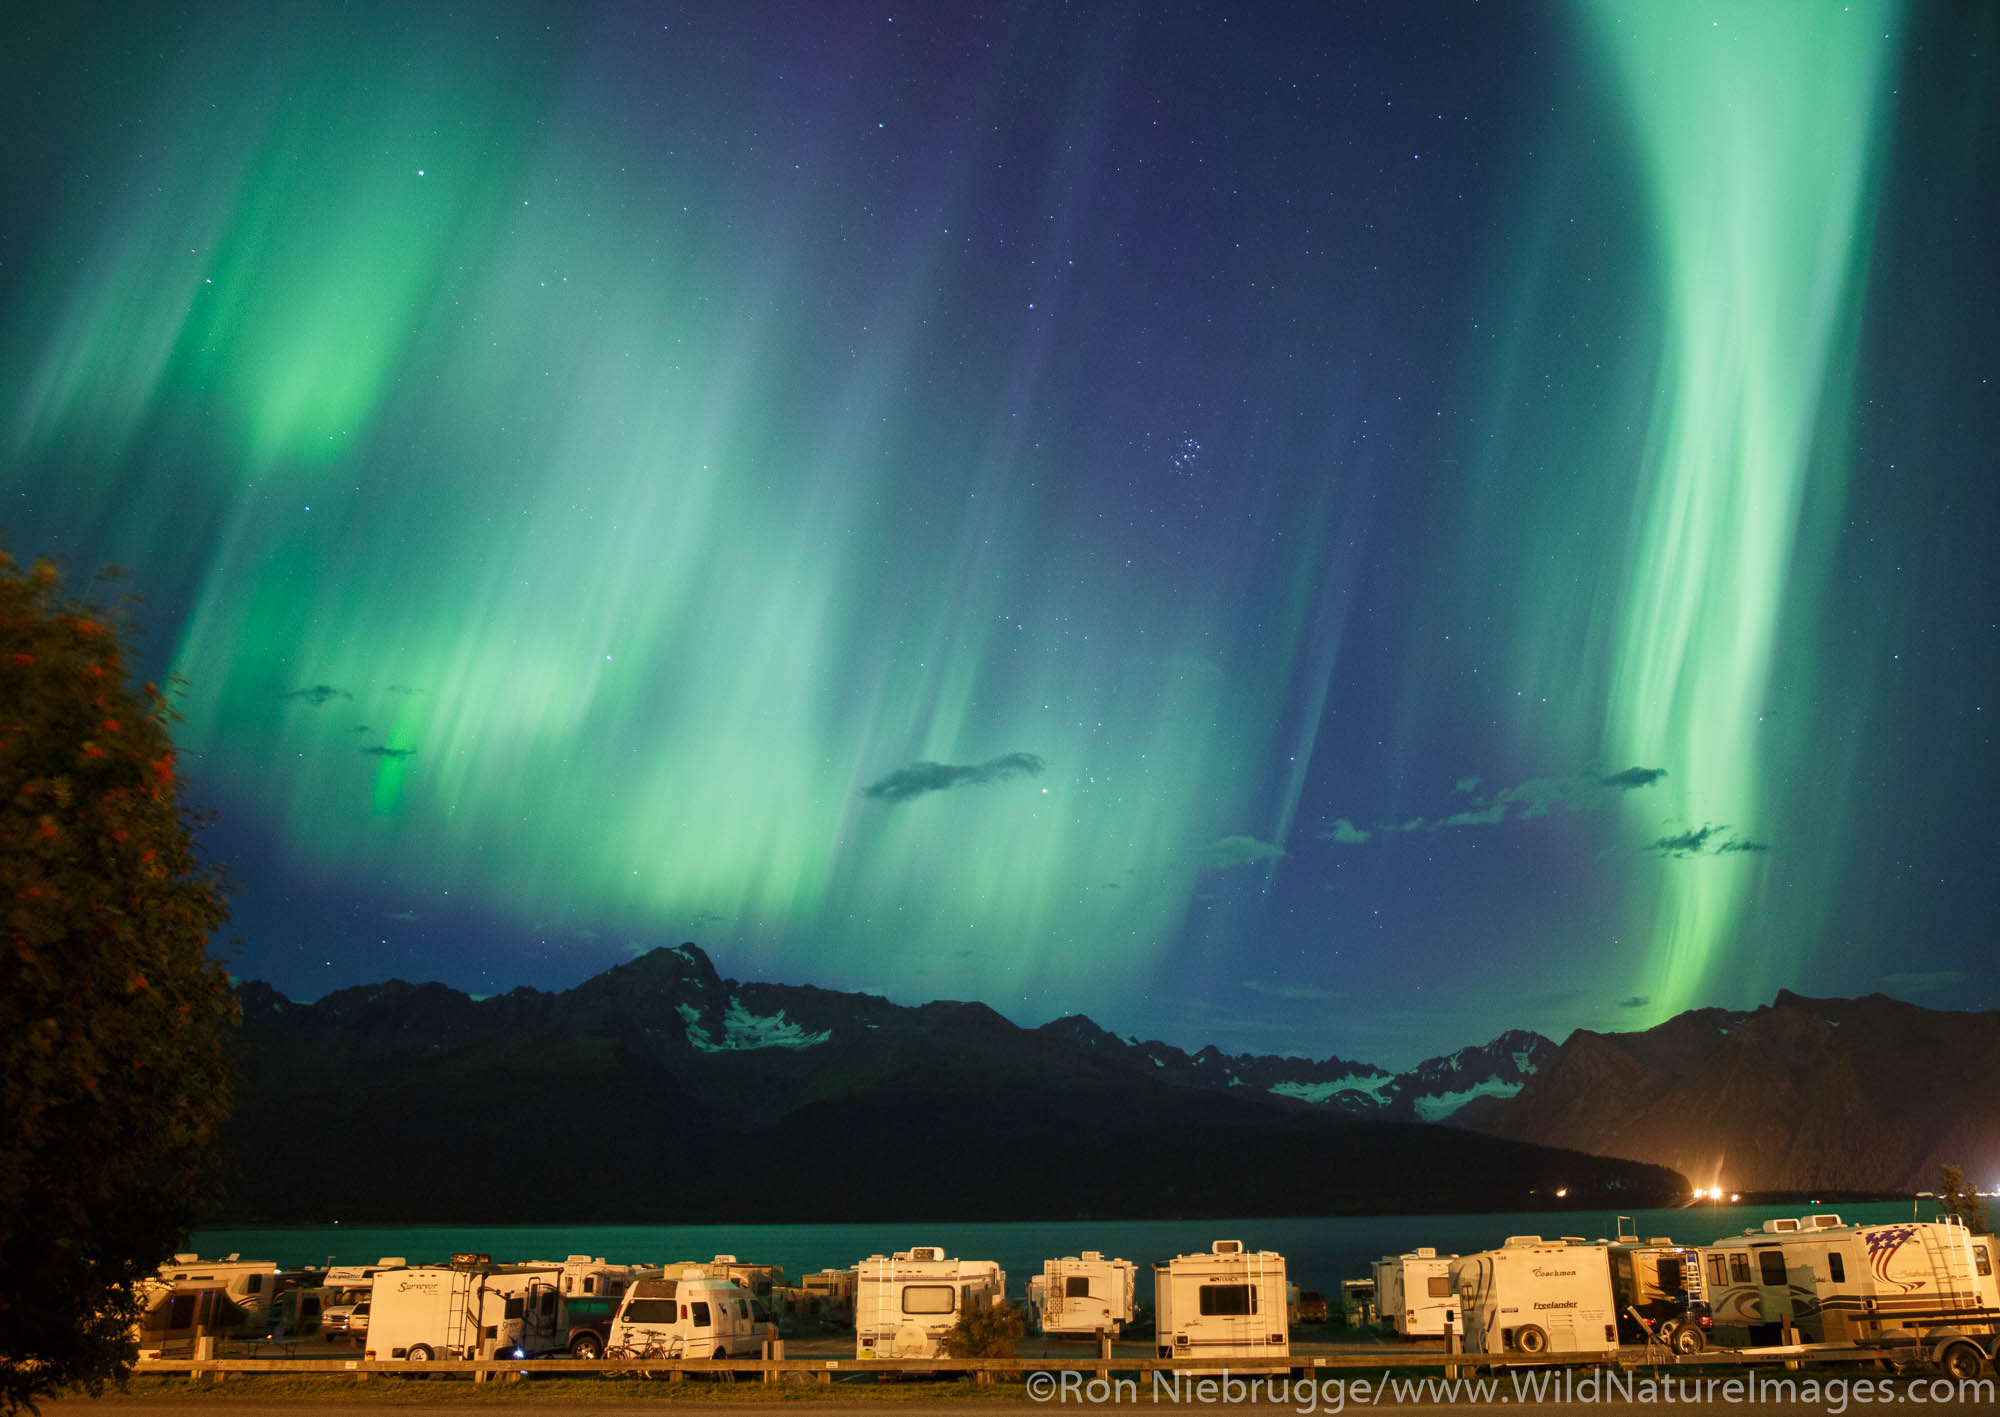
(590, 1319)
(345, 1321)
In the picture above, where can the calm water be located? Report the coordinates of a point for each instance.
(1319, 1253)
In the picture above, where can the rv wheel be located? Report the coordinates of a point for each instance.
(1688, 1339)
(720, 1354)
(1530, 1339)
(420, 1353)
(1962, 1361)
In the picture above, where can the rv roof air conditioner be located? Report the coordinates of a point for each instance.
(1227, 1247)
(1826, 1222)
(1524, 1239)
(1425, 1252)
(927, 1252)
(1785, 1225)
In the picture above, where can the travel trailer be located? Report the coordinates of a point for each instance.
(1929, 1284)
(1083, 1294)
(825, 1296)
(1226, 1303)
(695, 1316)
(249, 1286)
(905, 1304)
(1538, 1296)
(471, 1308)
(1413, 1293)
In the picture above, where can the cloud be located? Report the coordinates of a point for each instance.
(1708, 839)
(1290, 991)
(319, 694)
(378, 751)
(1925, 981)
(917, 779)
(1637, 1001)
(1345, 833)
(1234, 851)
(1633, 777)
(1535, 798)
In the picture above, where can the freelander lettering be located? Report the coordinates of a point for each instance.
(1557, 1304)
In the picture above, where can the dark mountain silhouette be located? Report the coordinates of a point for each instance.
(1803, 1094)
(659, 1092)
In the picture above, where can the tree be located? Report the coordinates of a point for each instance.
(1961, 1200)
(110, 1007)
(990, 1331)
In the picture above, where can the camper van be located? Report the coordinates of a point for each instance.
(1226, 1303)
(471, 1308)
(1928, 1283)
(905, 1304)
(1083, 1294)
(1413, 1293)
(1538, 1296)
(695, 1316)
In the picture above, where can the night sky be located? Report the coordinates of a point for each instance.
(1326, 528)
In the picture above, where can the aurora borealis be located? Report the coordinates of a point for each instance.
(1303, 528)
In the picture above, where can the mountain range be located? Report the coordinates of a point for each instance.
(661, 1091)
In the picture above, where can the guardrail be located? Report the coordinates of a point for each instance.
(982, 1370)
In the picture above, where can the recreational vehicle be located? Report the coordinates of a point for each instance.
(1226, 1303)
(1083, 1294)
(1655, 1284)
(1413, 1293)
(249, 1286)
(905, 1304)
(471, 1308)
(826, 1295)
(582, 1275)
(695, 1316)
(1538, 1296)
(1928, 1283)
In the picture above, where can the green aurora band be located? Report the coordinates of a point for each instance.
(1757, 135)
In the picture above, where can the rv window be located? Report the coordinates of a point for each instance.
(651, 1311)
(1671, 1279)
(180, 1311)
(1980, 1258)
(1836, 1266)
(1770, 1267)
(929, 1298)
(1076, 1286)
(547, 1302)
(1438, 1287)
(516, 1306)
(742, 1309)
(256, 1284)
(1228, 1299)
(1715, 1271)
(700, 1314)
(589, 1284)
(1739, 1268)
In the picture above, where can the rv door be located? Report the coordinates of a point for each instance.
(1774, 1290)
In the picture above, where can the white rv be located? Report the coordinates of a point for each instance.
(471, 1308)
(249, 1286)
(694, 1316)
(1084, 1293)
(1929, 1283)
(905, 1304)
(1413, 1293)
(1538, 1296)
(1226, 1303)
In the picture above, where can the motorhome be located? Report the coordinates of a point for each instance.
(1413, 1293)
(584, 1275)
(1538, 1296)
(1224, 1303)
(471, 1308)
(1084, 1293)
(171, 1319)
(1357, 1303)
(1916, 1282)
(695, 1316)
(905, 1303)
(249, 1286)
(825, 1296)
